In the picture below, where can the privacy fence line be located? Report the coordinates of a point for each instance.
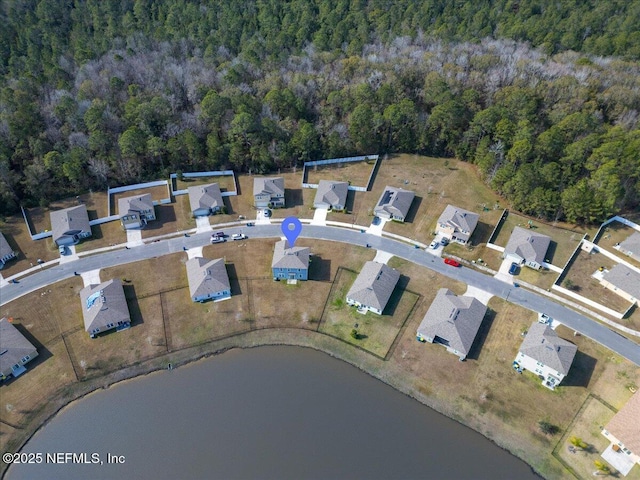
(333, 161)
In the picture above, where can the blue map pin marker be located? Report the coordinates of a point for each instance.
(291, 227)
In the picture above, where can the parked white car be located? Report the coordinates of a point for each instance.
(434, 244)
(217, 239)
(238, 236)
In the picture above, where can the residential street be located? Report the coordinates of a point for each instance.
(520, 296)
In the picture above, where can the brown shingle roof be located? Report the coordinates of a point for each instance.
(625, 425)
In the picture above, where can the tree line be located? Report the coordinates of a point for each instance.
(99, 93)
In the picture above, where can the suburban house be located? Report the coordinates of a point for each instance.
(527, 247)
(331, 195)
(452, 321)
(631, 246)
(70, 225)
(205, 199)
(623, 431)
(135, 212)
(624, 281)
(457, 224)
(544, 353)
(6, 252)
(104, 307)
(394, 204)
(373, 287)
(208, 279)
(15, 351)
(290, 263)
(268, 192)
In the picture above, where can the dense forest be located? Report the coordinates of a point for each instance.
(544, 98)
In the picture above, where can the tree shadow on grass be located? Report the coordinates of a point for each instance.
(581, 371)
(481, 336)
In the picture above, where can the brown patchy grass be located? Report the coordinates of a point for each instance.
(579, 273)
(490, 258)
(357, 173)
(192, 323)
(225, 182)
(169, 219)
(96, 203)
(111, 351)
(613, 234)
(29, 251)
(376, 333)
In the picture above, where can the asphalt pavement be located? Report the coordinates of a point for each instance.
(520, 296)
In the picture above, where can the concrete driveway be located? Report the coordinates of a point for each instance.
(203, 225)
(320, 216)
(134, 238)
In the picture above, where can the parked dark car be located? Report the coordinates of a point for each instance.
(513, 269)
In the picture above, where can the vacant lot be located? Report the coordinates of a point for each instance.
(354, 173)
(225, 182)
(579, 278)
(376, 333)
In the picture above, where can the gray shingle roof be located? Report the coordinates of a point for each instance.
(207, 276)
(394, 201)
(529, 245)
(5, 248)
(374, 285)
(205, 196)
(331, 193)
(69, 221)
(269, 185)
(296, 257)
(103, 304)
(632, 244)
(545, 346)
(455, 319)
(459, 218)
(137, 203)
(625, 279)
(13, 346)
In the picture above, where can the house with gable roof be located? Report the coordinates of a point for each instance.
(452, 321)
(6, 252)
(544, 353)
(135, 212)
(331, 195)
(631, 246)
(208, 279)
(457, 224)
(623, 431)
(70, 225)
(290, 263)
(205, 199)
(104, 307)
(15, 351)
(373, 287)
(394, 203)
(624, 281)
(527, 247)
(268, 192)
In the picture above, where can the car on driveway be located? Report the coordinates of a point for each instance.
(217, 239)
(64, 250)
(267, 213)
(452, 262)
(238, 236)
(376, 221)
(513, 269)
(434, 244)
